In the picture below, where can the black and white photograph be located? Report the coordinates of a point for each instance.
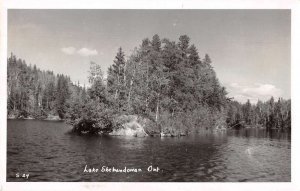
(187, 96)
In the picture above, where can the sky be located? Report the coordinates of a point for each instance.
(250, 49)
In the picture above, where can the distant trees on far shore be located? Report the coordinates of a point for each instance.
(270, 114)
(34, 93)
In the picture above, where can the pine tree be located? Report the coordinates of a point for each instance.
(62, 94)
(117, 79)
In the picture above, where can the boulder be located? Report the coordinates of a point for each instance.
(128, 125)
(53, 118)
(150, 127)
(165, 134)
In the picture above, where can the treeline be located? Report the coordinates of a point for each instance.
(270, 114)
(162, 80)
(32, 93)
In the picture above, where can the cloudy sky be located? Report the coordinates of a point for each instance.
(250, 49)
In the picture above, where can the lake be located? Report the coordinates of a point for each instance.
(45, 151)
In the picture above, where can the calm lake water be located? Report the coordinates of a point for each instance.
(46, 152)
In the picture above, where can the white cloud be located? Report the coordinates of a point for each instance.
(175, 23)
(82, 52)
(87, 52)
(253, 92)
(68, 50)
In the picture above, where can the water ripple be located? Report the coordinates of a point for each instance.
(45, 151)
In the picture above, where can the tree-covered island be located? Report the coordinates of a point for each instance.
(163, 88)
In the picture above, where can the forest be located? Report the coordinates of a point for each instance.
(164, 81)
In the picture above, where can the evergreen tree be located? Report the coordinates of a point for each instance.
(62, 94)
(163, 80)
(97, 91)
(117, 78)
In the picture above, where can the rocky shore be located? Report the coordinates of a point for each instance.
(133, 125)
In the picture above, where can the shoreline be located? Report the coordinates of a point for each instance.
(128, 128)
(31, 118)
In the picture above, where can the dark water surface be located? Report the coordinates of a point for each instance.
(46, 152)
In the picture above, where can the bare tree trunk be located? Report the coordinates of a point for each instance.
(47, 103)
(20, 101)
(147, 86)
(16, 80)
(14, 105)
(157, 110)
(124, 73)
(116, 95)
(130, 88)
(9, 88)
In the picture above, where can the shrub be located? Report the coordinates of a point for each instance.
(90, 118)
